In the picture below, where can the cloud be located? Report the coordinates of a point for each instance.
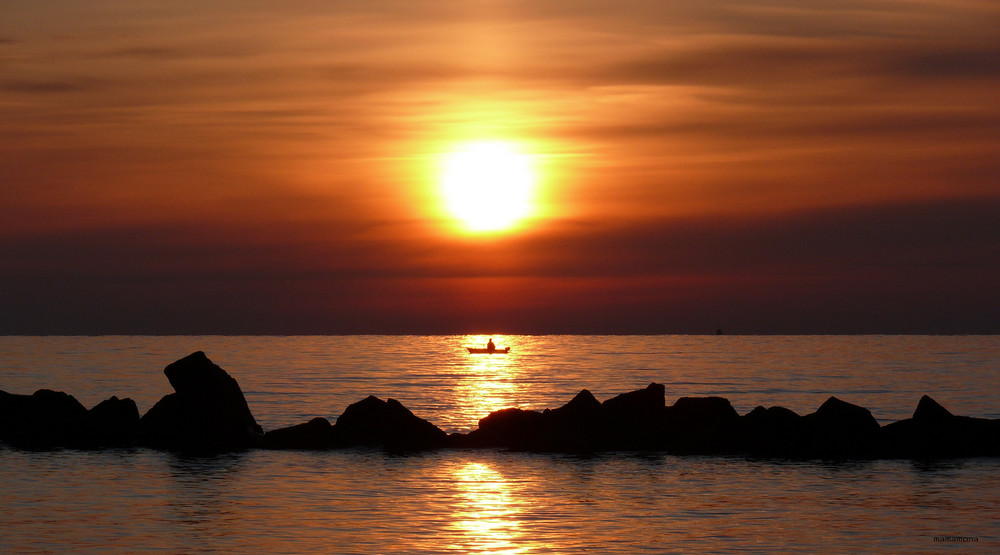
(926, 266)
(150, 53)
(959, 233)
(955, 233)
(48, 86)
(946, 62)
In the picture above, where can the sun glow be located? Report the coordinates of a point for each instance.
(488, 186)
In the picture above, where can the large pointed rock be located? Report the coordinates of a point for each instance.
(207, 412)
(928, 410)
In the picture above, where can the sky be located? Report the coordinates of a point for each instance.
(782, 166)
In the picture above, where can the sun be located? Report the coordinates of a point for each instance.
(488, 185)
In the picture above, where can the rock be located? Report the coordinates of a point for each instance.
(43, 420)
(771, 432)
(113, 422)
(10, 414)
(53, 419)
(928, 410)
(630, 421)
(207, 412)
(933, 433)
(703, 425)
(584, 406)
(634, 420)
(318, 433)
(773, 419)
(704, 411)
(575, 427)
(636, 405)
(511, 428)
(839, 429)
(841, 417)
(388, 424)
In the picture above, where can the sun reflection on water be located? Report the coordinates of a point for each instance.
(485, 513)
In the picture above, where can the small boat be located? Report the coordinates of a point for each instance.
(487, 351)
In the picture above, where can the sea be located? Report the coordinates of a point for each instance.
(495, 501)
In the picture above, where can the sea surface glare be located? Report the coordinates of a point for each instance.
(488, 501)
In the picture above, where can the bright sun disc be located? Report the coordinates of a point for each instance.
(488, 186)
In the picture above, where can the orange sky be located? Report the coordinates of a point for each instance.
(244, 167)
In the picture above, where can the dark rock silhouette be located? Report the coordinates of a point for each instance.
(113, 422)
(635, 406)
(575, 425)
(704, 411)
(206, 413)
(701, 425)
(634, 420)
(43, 420)
(512, 428)
(637, 420)
(929, 411)
(628, 421)
(933, 432)
(318, 433)
(584, 406)
(839, 429)
(842, 418)
(772, 432)
(51, 419)
(386, 424)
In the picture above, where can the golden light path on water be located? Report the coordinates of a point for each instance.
(484, 513)
(489, 382)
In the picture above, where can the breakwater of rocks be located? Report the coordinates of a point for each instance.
(207, 413)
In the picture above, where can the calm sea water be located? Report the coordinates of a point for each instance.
(360, 501)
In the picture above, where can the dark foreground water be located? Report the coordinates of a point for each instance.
(498, 502)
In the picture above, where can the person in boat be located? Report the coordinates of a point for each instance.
(490, 347)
